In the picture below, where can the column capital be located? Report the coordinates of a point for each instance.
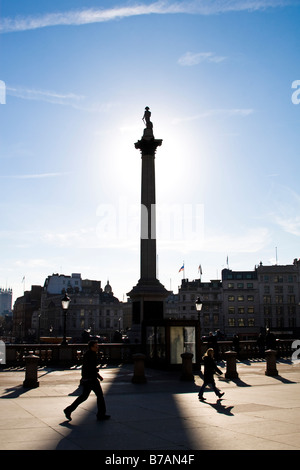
(148, 146)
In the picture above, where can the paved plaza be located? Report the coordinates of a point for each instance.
(257, 412)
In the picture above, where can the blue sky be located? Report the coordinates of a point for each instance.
(217, 76)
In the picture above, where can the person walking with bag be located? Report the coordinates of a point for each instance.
(210, 368)
(90, 381)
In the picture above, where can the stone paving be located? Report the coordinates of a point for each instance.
(257, 412)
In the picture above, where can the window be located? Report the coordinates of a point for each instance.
(279, 310)
(231, 298)
(241, 322)
(291, 310)
(267, 311)
(230, 285)
(240, 298)
(241, 310)
(267, 299)
(250, 298)
(291, 299)
(249, 285)
(240, 285)
(251, 322)
(231, 310)
(250, 310)
(279, 322)
(231, 322)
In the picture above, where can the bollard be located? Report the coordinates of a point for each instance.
(31, 368)
(139, 369)
(231, 372)
(187, 367)
(271, 363)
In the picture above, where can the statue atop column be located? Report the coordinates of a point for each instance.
(148, 131)
(146, 118)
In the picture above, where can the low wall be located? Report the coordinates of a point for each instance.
(115, 353)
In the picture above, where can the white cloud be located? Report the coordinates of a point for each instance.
(79, 102)
(286, 202)
(230, 112)
(249, 241)
(88, 16)
(35, 176)
(190, 58)
(44, 95)
(289, 225)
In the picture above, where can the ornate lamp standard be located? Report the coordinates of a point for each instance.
(65, 302)
(198, 305)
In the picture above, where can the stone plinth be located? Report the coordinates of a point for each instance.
(187, 367)
(231, 372)
(271, 368)
(31, 371)
(139, 369)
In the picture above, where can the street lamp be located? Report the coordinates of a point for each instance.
(65, 302)
(199, 304)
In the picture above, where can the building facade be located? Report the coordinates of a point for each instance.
(244, 302)
(279, 296)
(5, 301)
(241, 303)
(211, 316)
(38, 313)
(91, 309)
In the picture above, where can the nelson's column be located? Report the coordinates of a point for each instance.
(149, 294)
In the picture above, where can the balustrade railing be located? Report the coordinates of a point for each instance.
(49, 354)
(114, 353)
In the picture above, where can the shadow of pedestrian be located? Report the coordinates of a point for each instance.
(14, 392)
(220, 408)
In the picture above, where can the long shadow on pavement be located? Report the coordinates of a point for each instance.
(151, 416)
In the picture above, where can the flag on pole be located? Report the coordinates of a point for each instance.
(181, 269)
(200, 269)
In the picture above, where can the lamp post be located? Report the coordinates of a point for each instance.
(199, 304)
(65, 302)
(199, 307)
